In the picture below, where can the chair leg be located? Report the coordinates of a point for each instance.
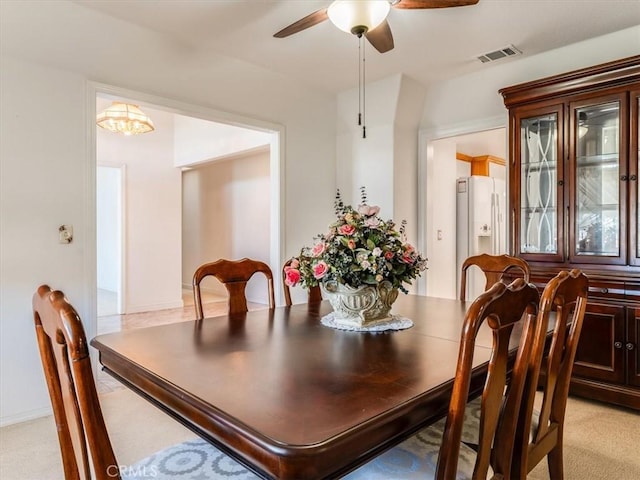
(554, 459)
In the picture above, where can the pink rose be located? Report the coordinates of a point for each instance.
(294, 263)
(320, 269)
(351, 244)
(408, 257)
(318, 249)
(292, 276)
(388, 255)
(346, 229)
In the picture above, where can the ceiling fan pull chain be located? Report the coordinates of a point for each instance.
(364, 98)
(359, 81)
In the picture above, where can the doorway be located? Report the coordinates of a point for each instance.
(164, 262)
(109, 235)
(440, 170)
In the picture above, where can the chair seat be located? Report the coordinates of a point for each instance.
(415, 458)
(190, 460)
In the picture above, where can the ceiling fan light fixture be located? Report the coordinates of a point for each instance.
(125, 118)
(358, 16)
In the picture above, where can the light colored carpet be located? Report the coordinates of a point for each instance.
(30, 450)
(601, 442)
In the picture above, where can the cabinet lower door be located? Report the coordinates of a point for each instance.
(601, 349)
(633, 342)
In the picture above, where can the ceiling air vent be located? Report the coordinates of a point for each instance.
(509, 51)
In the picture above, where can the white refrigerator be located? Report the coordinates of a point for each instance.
(480, 225)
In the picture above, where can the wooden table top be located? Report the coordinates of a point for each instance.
(291, 398)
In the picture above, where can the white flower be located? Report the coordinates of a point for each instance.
(368, 211)
(372, 222)
(362, 257)
(377, 252)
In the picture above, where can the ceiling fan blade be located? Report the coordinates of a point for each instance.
(310, 20)
(417, 4)
(381, 37)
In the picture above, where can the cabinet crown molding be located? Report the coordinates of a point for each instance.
(619, 72)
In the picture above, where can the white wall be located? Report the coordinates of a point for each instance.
(459, 102)
(441, 215)
(48, 175)
(197, 141)
(226, 215)
(368, 162)
(108, 217)
(471, 103)
(43, 184)
(405, 147)
(498, 171)
(153, 220)
(386, 161)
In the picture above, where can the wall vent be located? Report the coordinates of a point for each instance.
(508, 51)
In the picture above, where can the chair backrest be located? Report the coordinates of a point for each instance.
(315, 295)
(494, 267)
(234, 274)
(566, 295)
(502, 307)
(65, 358)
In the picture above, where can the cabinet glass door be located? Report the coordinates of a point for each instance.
(538, 196)
(597, 208)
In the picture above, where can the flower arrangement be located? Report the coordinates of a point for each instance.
(359, 249)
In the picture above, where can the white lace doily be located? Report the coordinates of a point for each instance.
(396, 322)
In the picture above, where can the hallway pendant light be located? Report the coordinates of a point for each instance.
(358, 16)
(125, 118)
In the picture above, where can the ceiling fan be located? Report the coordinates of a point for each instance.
(366, 17)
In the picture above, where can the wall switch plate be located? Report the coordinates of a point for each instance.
(65, 233)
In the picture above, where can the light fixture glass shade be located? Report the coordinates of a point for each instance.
(351, 15)
(582, 130)
(125, 118)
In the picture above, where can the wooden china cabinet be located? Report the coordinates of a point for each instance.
(573, 203)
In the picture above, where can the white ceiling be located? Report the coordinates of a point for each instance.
(430, 45)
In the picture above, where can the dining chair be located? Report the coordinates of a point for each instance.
(82, 432)
(315, 295)
(437, 453)
(234, 274)
(565, 296)
(494, 268)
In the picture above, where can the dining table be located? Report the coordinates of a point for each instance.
(292, 398)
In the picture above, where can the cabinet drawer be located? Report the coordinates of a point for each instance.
(598, 289)
(632, 292)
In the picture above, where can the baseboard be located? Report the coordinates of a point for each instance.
(219, 289)
(153, 307)
(26, 416)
